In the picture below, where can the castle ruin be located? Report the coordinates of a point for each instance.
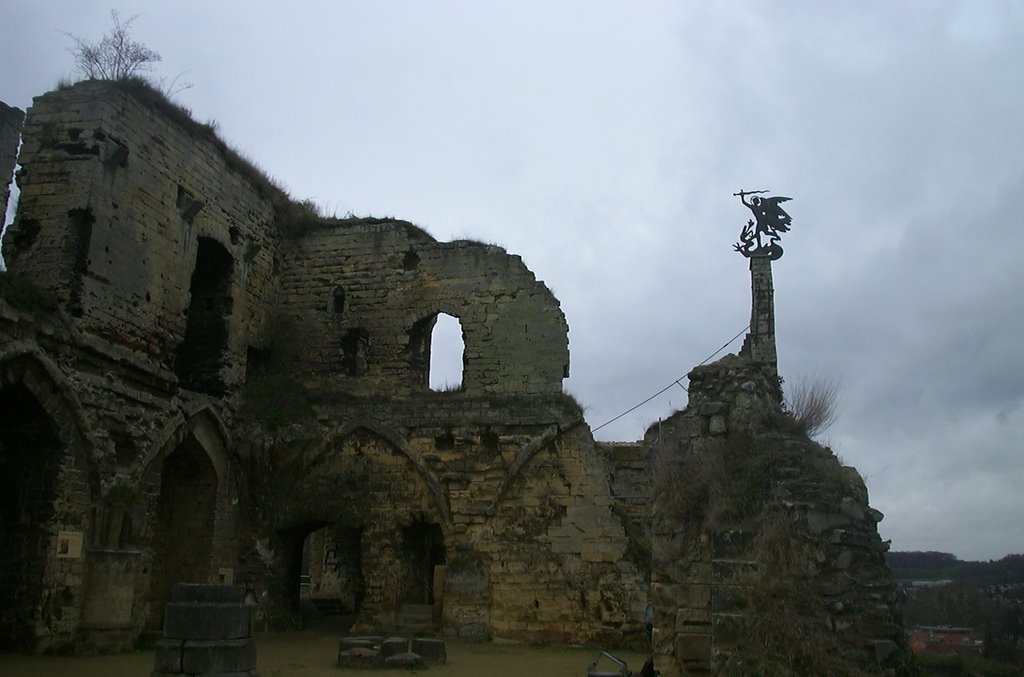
(202, 381)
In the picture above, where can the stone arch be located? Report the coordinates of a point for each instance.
(23, 361)
(420, 335)
(49, 485)
(370, 491)
(447, 354)
(200, 419)
(401, 445)
(190, 480)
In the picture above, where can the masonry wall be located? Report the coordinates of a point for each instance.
(10, 135)
(121, 197)
(115, 196)
(533, 545)
(767, 558)
(375, 287)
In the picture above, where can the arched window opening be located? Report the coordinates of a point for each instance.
(202, 353)
(338, 301)
(446, 354)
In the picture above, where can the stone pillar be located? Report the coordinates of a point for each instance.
(110, 596)
(759, 345)
(208, 630)
(10, 134)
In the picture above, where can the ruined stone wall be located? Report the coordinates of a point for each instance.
(534, 547)
(10, 135)
(374, 288)
(115, 197)
(767, 558)
(139, 233)
(100, 258)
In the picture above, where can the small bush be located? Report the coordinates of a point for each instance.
(814, 405)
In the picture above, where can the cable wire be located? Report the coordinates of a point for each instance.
(676, 382)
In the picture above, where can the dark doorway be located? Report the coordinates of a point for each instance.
(422, 551)
(30, 459)
(203, 352)
(329, 588)
(185, 517)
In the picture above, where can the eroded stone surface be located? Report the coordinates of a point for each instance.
(218, 374)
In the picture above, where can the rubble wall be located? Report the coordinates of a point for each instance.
(131, 216)
(115, 196)
(767, 558)
(384, 282)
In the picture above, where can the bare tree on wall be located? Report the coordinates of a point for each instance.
(118, 57)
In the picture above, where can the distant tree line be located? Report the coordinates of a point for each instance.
(923, 566)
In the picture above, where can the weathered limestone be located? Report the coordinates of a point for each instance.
(778, 565)
(10, 134)
(212, 366)
(217, 386)
(208, 631)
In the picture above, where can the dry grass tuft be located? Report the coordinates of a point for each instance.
(814, 405)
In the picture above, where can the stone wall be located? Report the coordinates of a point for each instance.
(767, 558)
(217, 380)
(361, 301)
(518, 495)
(116, 200)
(10, 136)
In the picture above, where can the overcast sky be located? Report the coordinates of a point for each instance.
(603, 141)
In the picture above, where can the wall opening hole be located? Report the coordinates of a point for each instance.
(203, 352)
(330, 582)
(30, 460)
(447, 353)
(355, 344)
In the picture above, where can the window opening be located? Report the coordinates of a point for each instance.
(446, 353)
(202, 353)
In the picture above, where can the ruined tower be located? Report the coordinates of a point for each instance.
(766, 554)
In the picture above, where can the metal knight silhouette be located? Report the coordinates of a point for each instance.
(760, 237)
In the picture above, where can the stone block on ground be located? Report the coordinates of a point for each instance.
(207, 620)
(406, 660)
(216, 657)
(359, 658)
(168, 655)
(393, 646)
(204, 592)
(432, 650)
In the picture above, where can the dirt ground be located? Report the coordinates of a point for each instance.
(309, 654)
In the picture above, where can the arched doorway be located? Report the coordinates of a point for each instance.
(30, 466)
(328, 592)
(422, 552)
(184, 524)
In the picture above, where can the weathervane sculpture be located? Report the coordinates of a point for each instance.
(759, 242)
(761, 238)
